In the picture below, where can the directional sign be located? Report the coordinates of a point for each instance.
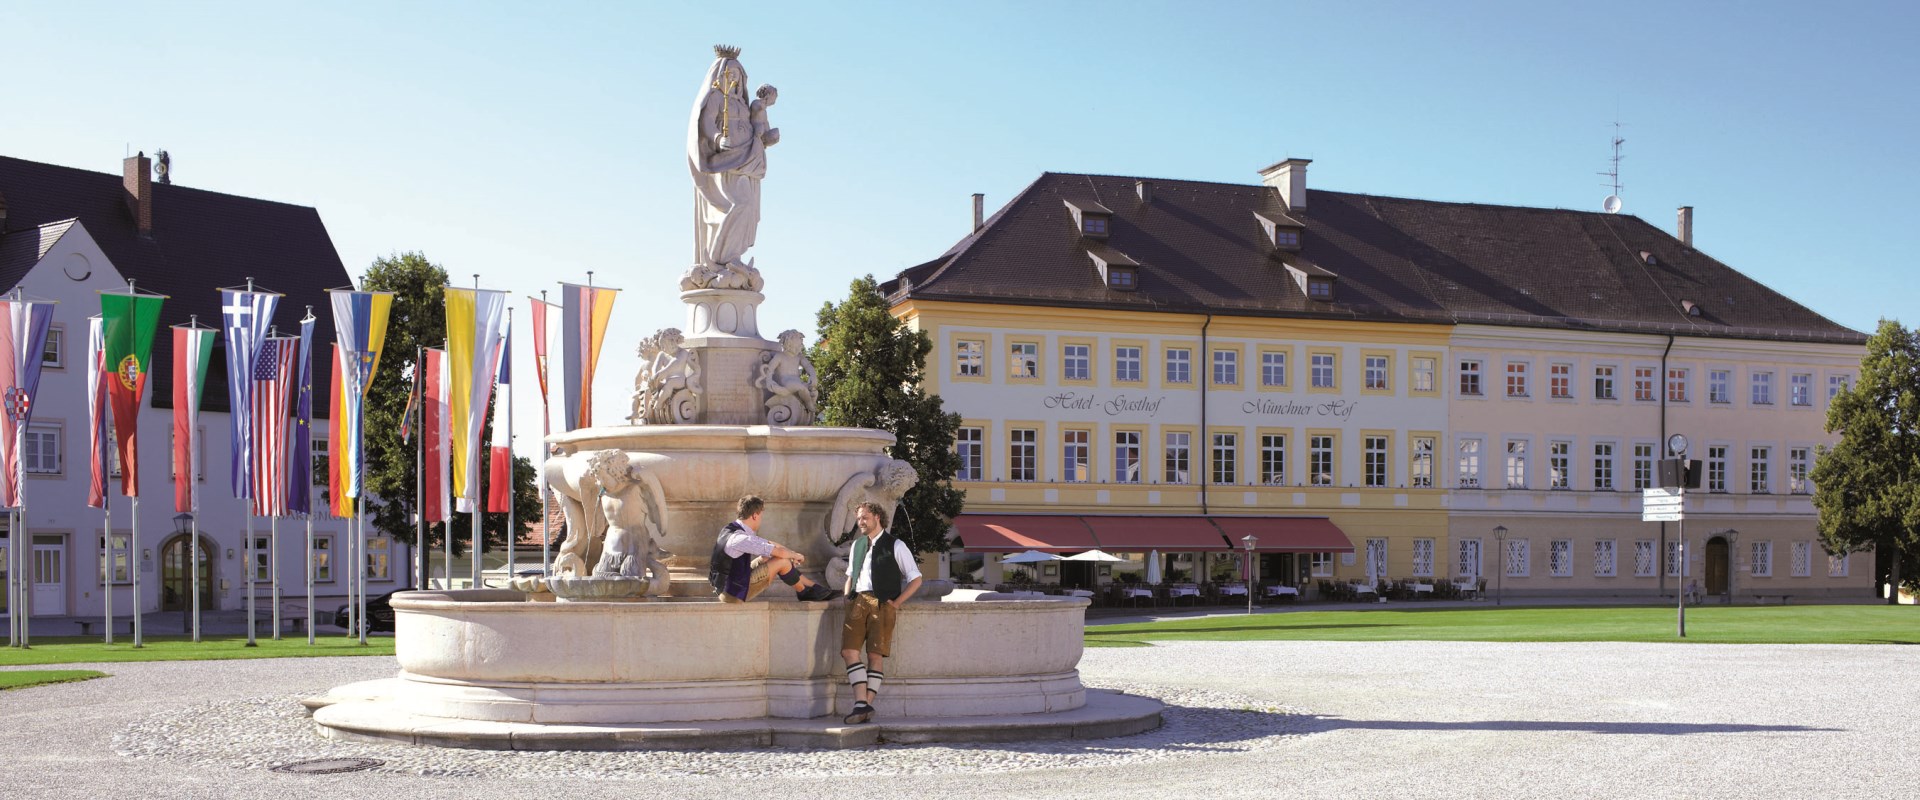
(1660, 516)
(1651, 494)
(1665, 502)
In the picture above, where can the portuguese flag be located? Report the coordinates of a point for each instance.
(129, 321)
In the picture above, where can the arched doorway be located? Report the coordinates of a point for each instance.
(1716, 565)
(176, 584)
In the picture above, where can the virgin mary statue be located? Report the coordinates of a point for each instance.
(727, 140)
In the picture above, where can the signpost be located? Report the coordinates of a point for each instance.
(1667, 504)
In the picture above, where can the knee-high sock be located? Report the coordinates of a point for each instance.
(874, 677)
(856, 674)
(791, 576)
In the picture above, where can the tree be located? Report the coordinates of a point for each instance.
(1867, 486)
(419, 319)
(870, 371)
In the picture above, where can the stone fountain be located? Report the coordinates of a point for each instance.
(623, 645)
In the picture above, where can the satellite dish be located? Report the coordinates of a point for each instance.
(1612, 204)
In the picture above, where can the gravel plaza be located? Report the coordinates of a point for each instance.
(1311, 719)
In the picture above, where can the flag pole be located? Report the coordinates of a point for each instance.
(479, 499)
(420, 551)
(546, 536)
(360, 497)
(512, 532)
(133, 557)
(273, 569)
(193, 566)
(106, 558)
(251, 638)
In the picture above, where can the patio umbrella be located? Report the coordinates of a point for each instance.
(1093, 555)
(1029, 557)
(1153, 566)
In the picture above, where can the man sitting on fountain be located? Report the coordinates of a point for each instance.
(881, 577)
(744, 565)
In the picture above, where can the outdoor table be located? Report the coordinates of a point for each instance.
(1234, 589)
(1077, 593)
(1136, 592)
(1423, 588)
(1277, 591)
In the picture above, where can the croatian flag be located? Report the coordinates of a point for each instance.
(23, 338)
(98, 437)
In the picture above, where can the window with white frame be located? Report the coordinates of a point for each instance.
(1604, 558)
(1273, 459)
(1516, 463)
(1377, 558)
(1603, 466)
(1560, 381)
(1673, 559)
(1423, 374)
(1470, 377)
(1799, 461)
(970, 358)
(379, 550)
(1126, 456)
(1179, 365)
(1518, 553)
(1802, 559)
(1023, 454)
(1676, 385)
(1837, 565)
(1076, 456)
(120, 558)
(1323, 370)
(1517, 378)
(1717, 468)
(1603, 382)
(1837, 384)
(322, 558)
(1560, 465)
(1226, 458)
(1720, 386)
(1760, 479)
(1273, 369)
(1800, 389)
(1226, 367)
(1643, 384)
(968, 444)
(262, 558)
(42, 455)
(1378, 367)
(50, 355)
(1321, 564)
(1178, 460)
(1023, 360)
(1762, 388)
(1320, 460)
(1077, 362)
(1420, 471)
(1423, 558)
(319, 461)
(1374, 460)
(1560, 558)
(1642, 465)
(1126, 364)
(1762, 555)
(1643, 558)
(1466, 557)
(1470, 463)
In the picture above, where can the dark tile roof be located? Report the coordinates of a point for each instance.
(1202, 249)
(24, 248)
(201, 241)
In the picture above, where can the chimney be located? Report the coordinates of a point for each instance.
(138, 181)
(1686, 225)
(979, 211)
(1290, 177)
(1145, 190)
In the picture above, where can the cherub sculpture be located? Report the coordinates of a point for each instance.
(791, 384)
(672, 381)
(633, 505)
(648, 350)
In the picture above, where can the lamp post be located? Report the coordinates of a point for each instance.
(1500, 584)
(1249, 540)
(189, 613)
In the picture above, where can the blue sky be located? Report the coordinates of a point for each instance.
(531, 143)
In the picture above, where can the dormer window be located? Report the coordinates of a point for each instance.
(1116, 270)
(1286, 238)
(1121, 278)
(1093, 220)
(1093, 225)
(1282, 231)
(1320, 288)
(1315, 281)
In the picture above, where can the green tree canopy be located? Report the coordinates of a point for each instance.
(1867, 486)
(870, 364)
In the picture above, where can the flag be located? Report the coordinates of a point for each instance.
(360, 326)
(541, 321)
(337, 500)
(473, 336)
(131, 320)
(437, 433)
(272, 396)
(97, 412)
(23, 345)
(300, 462)
(584, 312)
(245, 316)
(500, 455)
(192, 352)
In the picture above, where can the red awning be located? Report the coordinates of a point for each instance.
(1009, 533)
(1286, 534)
(1140, 534)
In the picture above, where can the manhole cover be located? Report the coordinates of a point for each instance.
(328, 766)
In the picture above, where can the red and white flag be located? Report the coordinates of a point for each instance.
(437, 428)
(272, 399)
(500, 452)
(99, 439)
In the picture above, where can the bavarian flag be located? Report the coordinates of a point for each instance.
(130, 321)
(360, 328)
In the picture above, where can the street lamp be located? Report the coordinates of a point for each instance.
(189, 613)
(1500, 581)
(1249, 540)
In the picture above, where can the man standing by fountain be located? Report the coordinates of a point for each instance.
(744, 565)
(881, 577)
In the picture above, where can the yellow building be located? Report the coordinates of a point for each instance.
(1369, 386)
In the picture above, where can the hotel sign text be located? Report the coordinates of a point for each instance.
(1129, 405)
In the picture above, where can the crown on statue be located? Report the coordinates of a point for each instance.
(726, 51)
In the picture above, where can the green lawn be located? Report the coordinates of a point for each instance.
(75, 650)
(1714, 624)
(21, 679)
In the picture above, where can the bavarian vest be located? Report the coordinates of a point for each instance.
(886, 568)
(730, 574)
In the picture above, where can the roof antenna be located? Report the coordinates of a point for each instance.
(1612, 204)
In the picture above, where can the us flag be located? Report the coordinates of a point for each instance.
(272, 391)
